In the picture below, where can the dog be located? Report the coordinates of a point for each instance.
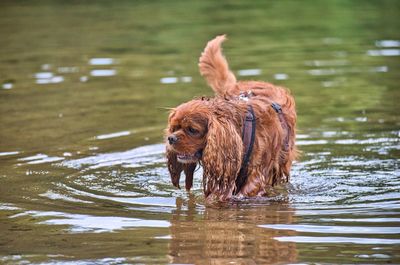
(244, 137)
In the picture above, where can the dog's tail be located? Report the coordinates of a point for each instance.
(214, 67)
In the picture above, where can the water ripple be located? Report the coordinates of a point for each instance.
(40, 159)
(80, 223)
(132, 158)
(338, 240)
(335, 229)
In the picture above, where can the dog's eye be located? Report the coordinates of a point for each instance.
(192, 130)
(175, 128)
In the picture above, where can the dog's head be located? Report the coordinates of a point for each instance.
(187, 131)
(207, 132)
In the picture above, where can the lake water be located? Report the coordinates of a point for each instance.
(84, 92)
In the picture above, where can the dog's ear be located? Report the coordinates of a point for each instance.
(189, 171)
(174, 167)
(222, 158)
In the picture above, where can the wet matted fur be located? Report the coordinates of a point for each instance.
(209, 132)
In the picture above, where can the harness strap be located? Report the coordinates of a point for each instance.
(248, 136)
(284, 125)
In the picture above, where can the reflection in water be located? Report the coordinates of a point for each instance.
(103, 72)
(44, 75)
(101, 61)
(83, 79)
(132, 158)
(387, 43)
(40, 159)
(48, 78)
(7, 85)
(79, 223)
(112, 135)
(9, 153)
(249, 72)
(387, 52)
(230, 234)
(281, 76)
(52, 80)
(174, 80)
(336, 229)
(322, 72)
(339, 240)
(168, 80)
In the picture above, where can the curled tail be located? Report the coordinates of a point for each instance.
(214, 67)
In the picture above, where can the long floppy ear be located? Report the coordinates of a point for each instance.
(189, 171)
(222, 158)
(175, 169)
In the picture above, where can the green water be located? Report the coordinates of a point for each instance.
(84, 92)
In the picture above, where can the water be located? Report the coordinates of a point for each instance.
(84, 94)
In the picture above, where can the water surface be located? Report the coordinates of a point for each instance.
(83, 98)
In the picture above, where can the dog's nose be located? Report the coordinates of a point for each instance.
(172, 139)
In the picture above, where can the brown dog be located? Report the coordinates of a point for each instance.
(244, 137)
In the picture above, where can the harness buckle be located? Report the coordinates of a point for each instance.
(249, 116)
(245, 96)
(277, 107)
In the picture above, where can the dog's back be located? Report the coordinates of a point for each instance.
(214, 68)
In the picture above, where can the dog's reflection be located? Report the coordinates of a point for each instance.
(230, 234)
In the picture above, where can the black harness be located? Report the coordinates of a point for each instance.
(248, 137)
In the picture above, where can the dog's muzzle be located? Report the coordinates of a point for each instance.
(172, 139)
(190, 158)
